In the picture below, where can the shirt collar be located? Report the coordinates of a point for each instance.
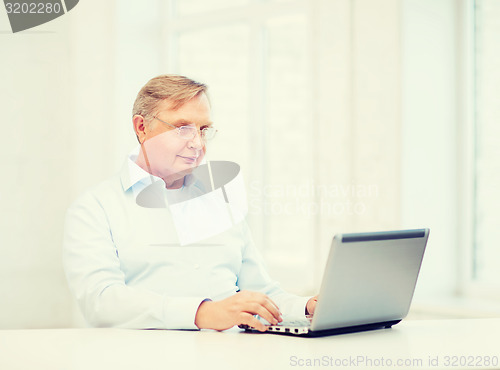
(132, 174)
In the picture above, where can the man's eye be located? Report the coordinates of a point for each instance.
(187, 128)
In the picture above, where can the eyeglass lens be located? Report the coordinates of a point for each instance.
(188, 132)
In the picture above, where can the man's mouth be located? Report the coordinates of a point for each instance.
(189, 159)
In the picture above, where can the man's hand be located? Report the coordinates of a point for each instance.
(311, 305)
(238, 309)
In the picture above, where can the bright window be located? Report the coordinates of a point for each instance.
(254, 57)
(486, 223)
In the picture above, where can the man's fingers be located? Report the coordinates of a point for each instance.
(259, 297)
(252, 321)
(271, 307)
(256, 303)
(257, 309)
(265, 308)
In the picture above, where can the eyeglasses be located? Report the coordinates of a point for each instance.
(188, 132)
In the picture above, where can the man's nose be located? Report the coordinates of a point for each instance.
(197, 141)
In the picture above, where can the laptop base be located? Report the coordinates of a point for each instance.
(336, 331)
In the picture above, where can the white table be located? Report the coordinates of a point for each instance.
(422, 344)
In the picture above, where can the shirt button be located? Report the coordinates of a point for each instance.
(196, 266)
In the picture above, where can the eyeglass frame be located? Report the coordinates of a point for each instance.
(179, 130)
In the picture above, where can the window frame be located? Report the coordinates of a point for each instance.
(467, 120)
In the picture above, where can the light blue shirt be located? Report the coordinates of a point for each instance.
(127, 267)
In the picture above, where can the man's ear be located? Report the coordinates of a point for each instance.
(140, 127)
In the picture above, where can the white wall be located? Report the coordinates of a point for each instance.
(36, 121)
(67, 89)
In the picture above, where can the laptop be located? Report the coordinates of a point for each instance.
(368, 284)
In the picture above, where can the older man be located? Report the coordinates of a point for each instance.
(124, 261)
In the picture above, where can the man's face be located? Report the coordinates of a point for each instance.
(170, 156)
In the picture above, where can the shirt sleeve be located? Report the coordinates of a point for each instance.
(94, 276)
(253, 276)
